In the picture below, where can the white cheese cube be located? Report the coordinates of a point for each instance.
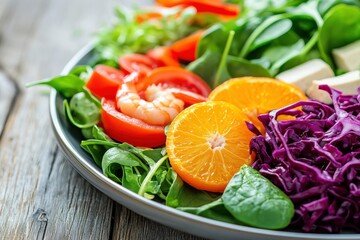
(347, 83)
(302, 75)
(348, 57)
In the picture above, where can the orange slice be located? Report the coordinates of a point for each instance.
(207, 144)
(255, 95)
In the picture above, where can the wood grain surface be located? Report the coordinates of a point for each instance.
(41, 195)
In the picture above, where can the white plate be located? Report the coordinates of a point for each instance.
(69, 138)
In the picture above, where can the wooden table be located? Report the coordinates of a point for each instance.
(41, 195)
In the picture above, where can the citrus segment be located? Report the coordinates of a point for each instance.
(207, 144)
(256, 95)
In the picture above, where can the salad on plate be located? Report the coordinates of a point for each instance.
(246, 112)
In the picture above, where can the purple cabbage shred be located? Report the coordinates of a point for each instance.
(315, 159)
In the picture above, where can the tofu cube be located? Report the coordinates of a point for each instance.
(303, 75)
(348, 57)
(347, 83)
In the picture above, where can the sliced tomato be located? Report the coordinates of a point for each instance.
(105, 81)
(164, 56)
(173, 77)
(215, 7)
(123, 128)
(185, 49)
(136, 63)
(205, 6)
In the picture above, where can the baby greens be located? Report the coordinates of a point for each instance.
(129, 36)
(341, 19)
(255, 201)
(83, 111)
(274, 36)
(249, 199)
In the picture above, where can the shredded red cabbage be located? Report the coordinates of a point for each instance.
(315, 160)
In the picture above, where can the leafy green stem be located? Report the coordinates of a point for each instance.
(311, 43)
(99, 142)
(150, 174)
(268, 22)
(223, 57)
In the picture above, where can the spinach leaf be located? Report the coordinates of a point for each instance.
(131, 177)
(279, 55)
(119, 156)
(308, 8)
(206, 65)
(341, 27)
(97, 152)
(95, 145)
(98, 133)
(255, 201)
(66, 85)
(82, 112)
(82, 71)
(239, 67)
(120, 166)
(325, 5)
(214, 210)
(277, 25)
(183, 195)
(271, 33)
(87, 132)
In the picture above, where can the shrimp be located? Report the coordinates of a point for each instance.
(159, 107)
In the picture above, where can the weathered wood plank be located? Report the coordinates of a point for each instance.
(8, 91)
(129, 225)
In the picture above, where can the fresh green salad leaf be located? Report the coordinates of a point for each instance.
(325, 5)
(249, 199)
(273, 36)
(129, 36)
(82, 71)
(341, 27)
(183, 195)
(66, 85)
(255, 201)
(239, 67)
(82, 111)
(214, 210)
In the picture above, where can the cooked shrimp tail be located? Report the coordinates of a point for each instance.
(159, 107)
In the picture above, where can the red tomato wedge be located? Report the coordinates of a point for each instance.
(105, 81)
(136, 63)
(185, 49)
(215, 7)
(205, 6)
(163, 56)
(123, 128)
(173, 77)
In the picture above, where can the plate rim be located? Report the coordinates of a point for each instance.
(121, 195)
